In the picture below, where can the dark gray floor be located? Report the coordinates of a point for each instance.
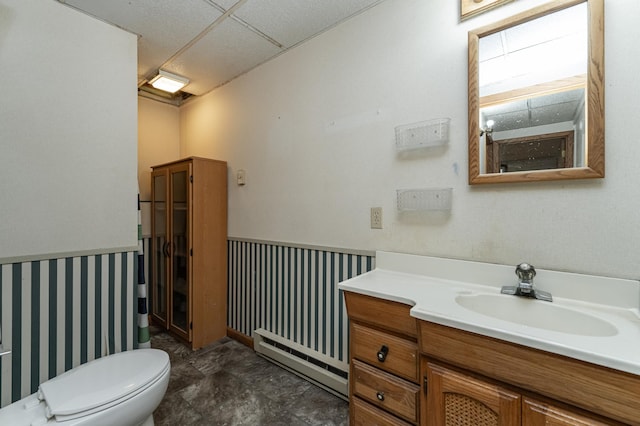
(226, 383)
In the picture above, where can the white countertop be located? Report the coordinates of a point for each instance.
(431, 286)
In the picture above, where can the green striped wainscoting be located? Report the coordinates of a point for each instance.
(293, 292)
(59, 313)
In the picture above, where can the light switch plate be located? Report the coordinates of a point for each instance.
(241, 177)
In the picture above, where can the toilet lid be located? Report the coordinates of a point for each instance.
(102, 381)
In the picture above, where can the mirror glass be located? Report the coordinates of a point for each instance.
(536, 107)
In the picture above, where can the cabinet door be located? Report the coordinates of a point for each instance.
(537, 413)
(159, 246)
(457, 399)
(179, 247)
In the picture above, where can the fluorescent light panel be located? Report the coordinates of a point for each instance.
(168, 82)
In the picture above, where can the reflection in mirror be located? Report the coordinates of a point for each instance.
(549, 131)
(536, 107)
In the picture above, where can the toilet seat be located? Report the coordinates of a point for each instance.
(102, 383)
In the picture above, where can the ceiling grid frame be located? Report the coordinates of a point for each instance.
(172, 33)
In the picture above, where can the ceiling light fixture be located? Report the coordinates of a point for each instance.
(168, 82)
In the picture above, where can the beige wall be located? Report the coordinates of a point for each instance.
(67, 133)
(158, 139)
(314, 130)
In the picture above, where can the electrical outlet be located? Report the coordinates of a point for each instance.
(376, 217)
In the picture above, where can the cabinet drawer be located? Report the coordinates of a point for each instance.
(386, 314)
(390, 353)
(365, 414)
(384, 390)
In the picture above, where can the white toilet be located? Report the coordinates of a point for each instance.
(120, 389)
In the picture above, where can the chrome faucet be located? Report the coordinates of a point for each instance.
(526, 273)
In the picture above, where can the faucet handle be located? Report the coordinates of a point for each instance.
(525, 272)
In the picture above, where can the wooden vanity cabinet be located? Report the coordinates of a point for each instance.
(405, 371)
(188, 258)
(384, 370)
(520, 385)
(457, 398)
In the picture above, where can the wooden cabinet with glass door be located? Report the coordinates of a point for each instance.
(189, 249)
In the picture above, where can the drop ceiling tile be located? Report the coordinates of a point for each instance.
(165, 25)
(226, 51)
(291, 21)
(550, 115)
(225, 4)
(510, 120)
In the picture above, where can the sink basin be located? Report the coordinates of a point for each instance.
(537, 313)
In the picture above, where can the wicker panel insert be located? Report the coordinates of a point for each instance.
(460, 410)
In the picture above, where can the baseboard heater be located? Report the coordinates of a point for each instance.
(326, 372)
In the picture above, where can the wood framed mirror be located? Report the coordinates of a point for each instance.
(536, 94)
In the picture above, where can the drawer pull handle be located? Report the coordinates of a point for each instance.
(382, 353)
(380, 396)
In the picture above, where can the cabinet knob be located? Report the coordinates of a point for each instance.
(382, 353)
(380, 396)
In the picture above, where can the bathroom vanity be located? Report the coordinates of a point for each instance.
(432, 340)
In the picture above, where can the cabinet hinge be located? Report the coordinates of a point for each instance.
(191, 178)
(191, 252)
(191, 326)
(424, 386)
